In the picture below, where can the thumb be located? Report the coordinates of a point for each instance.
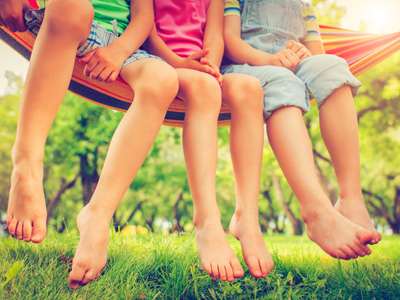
(86, 58)
(199, 54)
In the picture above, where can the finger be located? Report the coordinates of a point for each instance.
(289, 45)
(204, 60)
(90, 66)
(94, 75)
(11, 26)
(207, 69)
(86, 57)
(199, 54)
(286, 63)
(20, 24)
(104, 75)
(113, 77)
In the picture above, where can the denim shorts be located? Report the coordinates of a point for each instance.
(99, 37)
(318, 75)
(268, 25)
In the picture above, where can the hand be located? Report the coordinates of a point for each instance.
(103, 64)
(217, 75)
(194, 62)
(285, 58)
(301, 51)
(12, 14)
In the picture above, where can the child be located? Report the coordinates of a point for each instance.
(188, 35)
(69, 25)
(278, 42)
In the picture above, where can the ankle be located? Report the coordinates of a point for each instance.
(203, 221)
(310, 214)
(21, 157)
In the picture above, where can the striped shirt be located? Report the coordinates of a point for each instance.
(234, 8)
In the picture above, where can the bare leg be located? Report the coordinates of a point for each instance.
(66, 25)
(334, 233)
(200, 143)
(339, 129)
(244, 96)
(155, 85)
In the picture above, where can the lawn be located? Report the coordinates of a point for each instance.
(167, 267)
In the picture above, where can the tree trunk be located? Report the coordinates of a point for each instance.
(177, 226)
(327, 186)
(89, 177)
(54, 201)
(296, 223)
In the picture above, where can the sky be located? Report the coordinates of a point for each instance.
(382, 17)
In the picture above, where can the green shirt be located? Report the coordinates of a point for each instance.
(106, 11)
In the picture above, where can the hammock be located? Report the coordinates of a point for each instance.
(361, 51)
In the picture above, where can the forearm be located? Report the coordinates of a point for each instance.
(216, 46)
(315, 47)
(135, 34)
(155, 45)
(239, 52)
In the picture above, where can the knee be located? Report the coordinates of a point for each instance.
(244, 93)
(204, 93)
(72, 16)
(160, 85)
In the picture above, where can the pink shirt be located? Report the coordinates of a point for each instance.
(180, 24)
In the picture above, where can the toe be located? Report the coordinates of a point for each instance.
(364, 236)
(88, 277)
(76, 275)
(27, 231)
(222, 272)
(254, 266)
(207, 268)
(215, 271)
(265, 267)
(12, 228)
(39, 231)
(229, 273)
(237, 269)
(20, 230)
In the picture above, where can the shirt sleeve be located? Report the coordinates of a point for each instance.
(311, 22)
(232, 8)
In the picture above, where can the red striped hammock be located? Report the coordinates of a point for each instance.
(362, 51)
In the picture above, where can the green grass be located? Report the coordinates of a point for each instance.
(157, 267)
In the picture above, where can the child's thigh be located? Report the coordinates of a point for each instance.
(150, 73)
(195, 84)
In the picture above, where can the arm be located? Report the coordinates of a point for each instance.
(157, 46)
(315, 47)
(12, 14)
(238, 51)
(213, 37)
(104, 63)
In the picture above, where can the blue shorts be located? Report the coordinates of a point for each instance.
(318, 75)
(99, 37)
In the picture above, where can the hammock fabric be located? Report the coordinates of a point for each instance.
(361, 51)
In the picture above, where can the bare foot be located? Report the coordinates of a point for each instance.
(255, 253)
(216, 255)
(336, 235)
(26, 212)
(91, 254)
(356, 211)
